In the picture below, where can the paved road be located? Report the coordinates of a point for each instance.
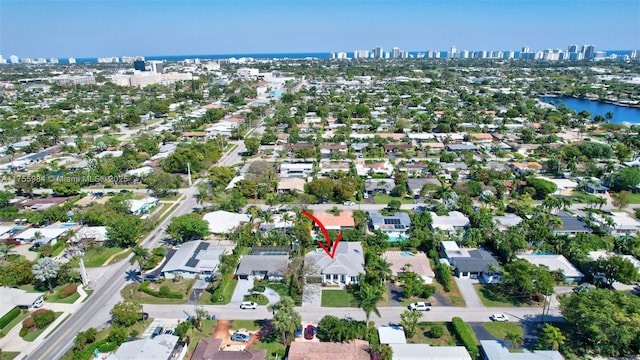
(95, 311)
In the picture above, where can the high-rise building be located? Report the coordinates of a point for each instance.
(54, 60)
(139, 65)
(361, 54)
(14, 59)
(633, 54)
(525, 49)
(453, 53)
(572, 48)
(72, 60)
(510, 54)
(157, 67)
(588, 51)
(395, 53)
(378, 53)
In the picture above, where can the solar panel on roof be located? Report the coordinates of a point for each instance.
(392, 221)
(202, 246)
(193, 262)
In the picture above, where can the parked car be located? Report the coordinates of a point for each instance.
(349, 203)
(248, 305)
(168, 332)
(309, 331)
(298, 332)
(152, 277)
(145, 316)
(240, 337)
(499, 317)
(157, 331)
(420, 306)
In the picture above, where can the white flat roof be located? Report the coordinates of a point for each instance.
(561, 183)
(427, 352)
(391, 335)
(223, 221)
(553, 262)
(46, 233)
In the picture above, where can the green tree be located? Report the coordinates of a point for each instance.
(515, 338)
(394, 205)
(126, 312)
(141, 255)
(161, 182)
(626, 178)
(616, 268)
(321, 188)
(185, 227)
(552, 337)
(46, 270)
(524, 279)
(252, 144)
(621, 199)
(367, 298)
(65, 188)
(542, 187)
(603, 322)
(124, 230)
(286, 319)
(409, 321)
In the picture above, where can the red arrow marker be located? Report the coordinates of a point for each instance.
(330, 249)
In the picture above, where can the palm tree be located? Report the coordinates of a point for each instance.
(515, 338)
(552, 336)
(4, 252)
(287, 218)
(140, 255)
(267, 217)
(378, 268)
(201, 314)
(367, 299)
(285, 319)
(409, 321)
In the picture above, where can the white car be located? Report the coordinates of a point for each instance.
(420, 306)
(248, 305)
(499, 317)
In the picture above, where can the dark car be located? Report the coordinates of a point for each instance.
(145, 316)
(298, 332)
(309, 332)
(158, 330)
(152, 277)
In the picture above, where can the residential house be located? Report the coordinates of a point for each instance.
(13, 297)
(327, 149)
(296, 170)
(594, 186)
(621, 223)
(603, 254)
(141, 206)
(212, 349)
(161, 347)
(428, 352)
(222, 222)
(364, 168)
(415, 185)
(343, 220)
(497, 350)
(571, 225)
(471, 263)
(506, 221)
(47, 235)
(417, 263)
(379, 186)
(461, 147)
(343, 268)
(413, 169)
(527, 167)
(555, 263)
(484, 138)
(312, 350)
(291, 184)
(193, 258)
(564, 186)
(397, 148)
(90, 234)
(264, 262)
(453, 223)
(396, 225)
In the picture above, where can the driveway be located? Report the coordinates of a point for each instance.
(468, 292)
(271, 295)
(241, 290)
(481, 332)
(396, 294)
(312, 295)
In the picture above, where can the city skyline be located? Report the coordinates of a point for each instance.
(97, 28)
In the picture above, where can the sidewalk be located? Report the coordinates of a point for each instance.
(12, 340)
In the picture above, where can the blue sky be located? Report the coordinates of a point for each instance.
(92, 28)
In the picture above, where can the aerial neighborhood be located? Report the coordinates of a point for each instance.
(364, 208)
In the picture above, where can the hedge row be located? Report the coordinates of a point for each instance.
(8, 317)
(165, 291)
(466, 335)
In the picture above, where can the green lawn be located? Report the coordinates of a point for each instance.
(227, 293)
(118, 257)
(274, 349)
(501, 329)
(583, 197)
(208, 326)
(634, 198)
(495, 296)
(280, 288)
(9, 355)
(251, 325)
(96, 256)
(336, 298)
(145, 298)
(55, 298)
(385, 199)
(257, 298)
(5, 330)
(34, 335)
(423, 335)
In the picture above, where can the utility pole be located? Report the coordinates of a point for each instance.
(189, 173)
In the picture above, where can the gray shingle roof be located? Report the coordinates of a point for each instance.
(272, 264)
(348, 260)
(478, 261)
(399, 220)
(195, 256)
(571, 223)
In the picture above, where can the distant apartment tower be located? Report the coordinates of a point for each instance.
(157, 67)
(572, 48)
(589, 51)
(54, 61)
(525, 49)
(139, 65)
(510, 54)
(453, 53)
(2, 60)
(378, 53)
(72, 60)
(14, 59)
(361, 54)
(633, 54)
(395, 53)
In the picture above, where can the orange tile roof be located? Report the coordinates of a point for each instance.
(483, 136)
(344, 219)
(528, 165)
(354, 350)
(194, 134)
(397, 136)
